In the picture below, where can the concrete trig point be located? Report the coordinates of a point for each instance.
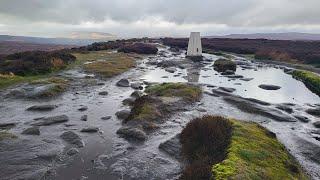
(194, 47)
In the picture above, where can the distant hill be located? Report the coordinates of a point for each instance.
(9, 47)
(75, 38)
(273, 36)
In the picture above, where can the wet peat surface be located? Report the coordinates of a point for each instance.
(107, 156)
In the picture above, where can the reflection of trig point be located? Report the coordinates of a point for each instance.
(194, 47)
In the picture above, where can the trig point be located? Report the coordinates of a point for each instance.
(194, 47)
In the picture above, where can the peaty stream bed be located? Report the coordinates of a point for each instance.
(107, 156)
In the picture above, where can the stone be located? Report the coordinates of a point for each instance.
(269, 87)
(52, 120)
(284, 108)
(90, 129)
(258, 101)
(132, 133)
(106, 117)
(302, 118)
(314, 112)
(230, 90)
(32, 131)
(7, 125)
(72, 138)
(72, 151)
(123, 114)
(172, 147)
(128, 101)
(137, 94)
(83, 108)
(136, 85)
(227, 72)
(123, 83)
(103, 93)
(317, 124)
(84, 118)
(246, 79)
(46, 107)
(171, 69)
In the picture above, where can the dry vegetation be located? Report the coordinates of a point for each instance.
(106, 63)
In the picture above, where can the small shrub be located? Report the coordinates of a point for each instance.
(204, 142)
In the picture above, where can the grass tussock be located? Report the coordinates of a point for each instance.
(105, 63)
(311, 80)
(255, 153)
(185, 91)
(204, 142)
(6, 135)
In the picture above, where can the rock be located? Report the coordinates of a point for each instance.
(90, 130)
(123, 83)
(172, 147)
(171, 69)
(285, 108)
(52, 120)
(234, 76)
(132, 133)
(258, 101)
(7, 125)
(137, 94)
(83, 108)
(269, 87)
(106, 117)
(123, 114)
(250, 107)
(314, 112)
(302, 118)
(164, 77)
(32, 131)
(72, 138)
(136, 85)
(128, 101)
(227, 72)
(103, 93)
(246, 79)
(174, 49)
(46, 107)
(222, 65)
(84, 118)
(72, 151)
(218, 92)
(317, 124)
(230, 90)
(201, 110)
(100, 84)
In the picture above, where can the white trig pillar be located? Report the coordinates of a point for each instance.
(194, 46)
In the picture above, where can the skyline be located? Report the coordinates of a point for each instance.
(133, 18)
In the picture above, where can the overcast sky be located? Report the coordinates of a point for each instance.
(136, 18)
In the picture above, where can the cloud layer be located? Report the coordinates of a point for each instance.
(157, 17)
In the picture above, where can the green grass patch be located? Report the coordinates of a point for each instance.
(6, 135)
(311, 80)
(185, 91)
(9, 80)
(105, 63)
(255, 153)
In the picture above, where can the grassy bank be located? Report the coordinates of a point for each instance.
(105, 63)
(6, 135)
(311, 80)
(220, 148)
(9, 80)
(255, 153)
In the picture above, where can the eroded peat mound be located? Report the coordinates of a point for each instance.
(219, 148)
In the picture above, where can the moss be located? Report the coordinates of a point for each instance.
(224, 64)
(105, 63)
(6, 135)
(59, 85)
(186, 91)
(310, 79)
(254, 153)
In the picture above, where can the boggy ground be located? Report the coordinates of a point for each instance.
(159, 103)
